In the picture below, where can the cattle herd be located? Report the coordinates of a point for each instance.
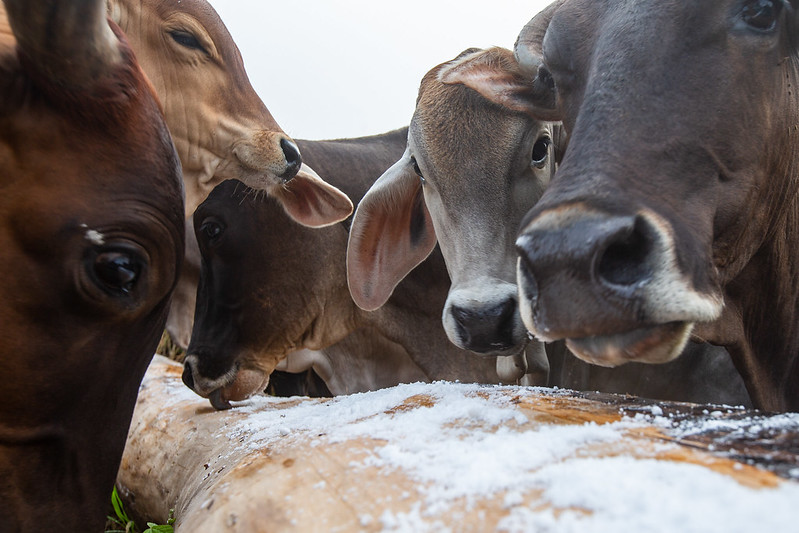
(622, 187)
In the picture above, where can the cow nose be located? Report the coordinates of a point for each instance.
(486, 329)
(188, 375)
(293, 159)
(613, 251)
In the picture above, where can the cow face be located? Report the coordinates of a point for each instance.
(680, 116)
(261, 295)
(222, 129)
(92, 236)
(478, 165)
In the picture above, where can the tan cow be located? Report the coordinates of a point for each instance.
(220, 126)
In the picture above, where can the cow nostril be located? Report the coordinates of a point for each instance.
(624, 261)
(463, 319)
(188, 376)
(293, 159)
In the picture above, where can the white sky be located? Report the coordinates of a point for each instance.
(346, 68)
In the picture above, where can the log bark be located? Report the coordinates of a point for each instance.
(303, 464)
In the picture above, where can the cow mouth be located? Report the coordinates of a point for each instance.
(653, 344)
(245, 384)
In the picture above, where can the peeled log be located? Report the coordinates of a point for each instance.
(442, 455)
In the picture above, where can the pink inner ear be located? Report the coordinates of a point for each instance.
(391, 233)
(495, 74)
(311, 201)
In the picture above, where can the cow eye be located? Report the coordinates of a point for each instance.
(117, 270)
(417, 169)
(761, 14)
(187, 40)
(541, 152)
(211, 230)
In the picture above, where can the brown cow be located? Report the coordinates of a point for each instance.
(484, 165)
(675, 210)
(91, 228)
(222, 130)
(221, 127)
(270, 287)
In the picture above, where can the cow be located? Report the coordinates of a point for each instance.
(221, 128)
(270, 287)
(674, 211)
(481, 163)
(468, 161)
(91, 232)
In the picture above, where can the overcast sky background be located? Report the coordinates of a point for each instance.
(346, 68)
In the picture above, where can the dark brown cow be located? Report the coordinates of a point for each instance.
(91, 232)
(270, 287)
(676, 208)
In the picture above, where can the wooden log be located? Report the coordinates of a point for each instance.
(446, 456)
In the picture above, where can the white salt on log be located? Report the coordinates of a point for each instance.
(433, 457)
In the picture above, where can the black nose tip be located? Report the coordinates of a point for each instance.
(293, 159)
(486, 329)
(188, 376)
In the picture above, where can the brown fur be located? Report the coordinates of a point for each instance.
(95, 156)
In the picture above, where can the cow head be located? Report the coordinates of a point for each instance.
(473, 167)
(91, 228)
(260, 295)
(222, 129)
(679, 178)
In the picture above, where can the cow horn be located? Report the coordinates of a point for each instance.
(70, 43)
(528, 47)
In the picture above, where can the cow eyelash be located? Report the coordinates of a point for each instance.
(187, 40)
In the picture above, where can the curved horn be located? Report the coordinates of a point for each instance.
(528, 47)
(69, 42)
(529, 54)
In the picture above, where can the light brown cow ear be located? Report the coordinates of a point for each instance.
(311, 201)
(495, 74)
(391, 233)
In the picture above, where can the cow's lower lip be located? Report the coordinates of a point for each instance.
(245, 384)
(654, 344)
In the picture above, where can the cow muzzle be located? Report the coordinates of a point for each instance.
(608, 284)
(484, 318)
(269, 158)
(234, 385)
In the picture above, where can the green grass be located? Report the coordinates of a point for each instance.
(120, 522)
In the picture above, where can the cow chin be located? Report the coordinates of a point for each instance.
(654, 344)
(246, 383)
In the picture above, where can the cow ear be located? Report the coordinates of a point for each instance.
(311, 201)
(495, 74)
(391, 233)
